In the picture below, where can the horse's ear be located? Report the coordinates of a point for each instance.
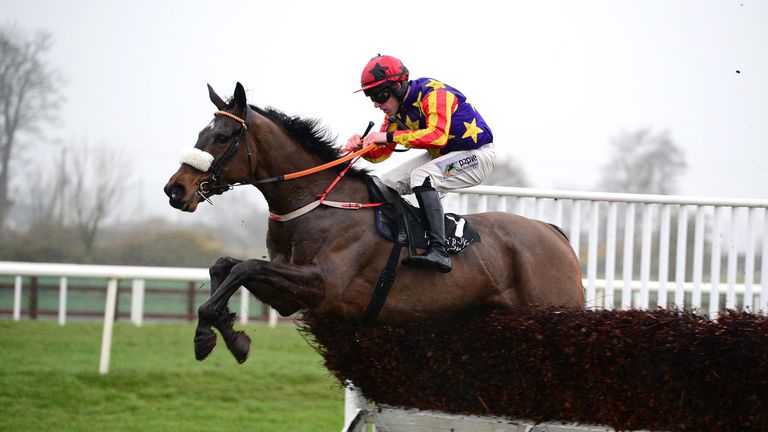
(215, 98)
(239, 97)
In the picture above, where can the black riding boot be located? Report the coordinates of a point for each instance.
(436, 256)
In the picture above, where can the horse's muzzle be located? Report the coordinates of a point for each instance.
(176, 193)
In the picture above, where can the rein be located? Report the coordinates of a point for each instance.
(216, 166)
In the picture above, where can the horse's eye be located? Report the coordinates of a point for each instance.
(220, 138)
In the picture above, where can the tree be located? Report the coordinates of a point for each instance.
(507, 172)
(642, 162)
(28, 97)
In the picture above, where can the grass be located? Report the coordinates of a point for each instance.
(49, 381)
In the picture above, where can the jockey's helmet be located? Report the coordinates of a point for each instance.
(384, 73)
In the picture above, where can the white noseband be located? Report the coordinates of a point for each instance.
(196, 158)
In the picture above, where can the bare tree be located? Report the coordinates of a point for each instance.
(28, 97)
(643, 162)
(99, 175)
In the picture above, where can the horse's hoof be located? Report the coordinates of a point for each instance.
(204, 345)
(240, 346)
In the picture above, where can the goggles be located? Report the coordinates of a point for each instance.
(380, 96)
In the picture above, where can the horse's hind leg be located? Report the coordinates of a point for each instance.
(238, 342)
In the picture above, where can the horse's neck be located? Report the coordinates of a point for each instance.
(284, 156)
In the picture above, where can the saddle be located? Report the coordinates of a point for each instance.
(397, 216)
(400, 222)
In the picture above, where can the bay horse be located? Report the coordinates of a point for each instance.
(328, 260)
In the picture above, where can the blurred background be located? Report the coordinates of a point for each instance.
(100, 97)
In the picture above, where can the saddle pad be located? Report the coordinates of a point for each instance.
(459, 232)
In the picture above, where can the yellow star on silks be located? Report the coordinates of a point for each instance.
(435, 84)
(417, 103)
(472, 130)
(412, 124)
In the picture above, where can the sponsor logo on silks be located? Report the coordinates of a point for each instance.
(457, 165)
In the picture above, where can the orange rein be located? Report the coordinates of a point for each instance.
(305, 172)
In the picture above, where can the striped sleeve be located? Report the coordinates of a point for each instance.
(380, 153)
(438, 108)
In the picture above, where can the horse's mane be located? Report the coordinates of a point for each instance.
(313, 136)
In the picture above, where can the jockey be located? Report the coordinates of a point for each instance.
(429, 115)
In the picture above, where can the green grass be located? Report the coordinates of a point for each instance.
(49, 381)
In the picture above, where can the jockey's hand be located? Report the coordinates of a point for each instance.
(379, 138)
(353, 143)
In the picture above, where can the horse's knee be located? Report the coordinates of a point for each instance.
(222, 265)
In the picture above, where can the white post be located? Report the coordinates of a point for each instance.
(353, 402)
(109, 320)
(272, 317)
(243, 305)
(663, 256)
(576, 227)
(62, 301)
(645, 256)
(137, 302)
(749, 259)
(682, 245)
(558, 220)
(730, 298)
(17, 299)
(521, 206)
(592, 253)
(629, 245)
(764, 269)
(539, 208)
(610, 255)
(714, 275)
(698, 258)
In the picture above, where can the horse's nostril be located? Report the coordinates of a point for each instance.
(175, 192)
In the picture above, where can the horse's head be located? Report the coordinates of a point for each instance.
(220, 158)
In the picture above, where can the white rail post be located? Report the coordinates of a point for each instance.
(764, 269)
(109, 321)
(749, 259)
(62, 301)
(663, 256)
(714, 275)
(645, 257)
(682, 246)
(594, 227)
(629, 254)
(576, 227)
(698, 258)
(17, 298)
(243, 305)
(272, 317)
(730, 297)
(137, 302)
(610, 255)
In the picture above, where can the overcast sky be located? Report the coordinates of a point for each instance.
(556, 80)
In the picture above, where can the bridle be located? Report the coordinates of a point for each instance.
(215, 186)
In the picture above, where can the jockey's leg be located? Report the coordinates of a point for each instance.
(436, 255)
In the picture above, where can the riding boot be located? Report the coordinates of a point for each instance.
(436, 255)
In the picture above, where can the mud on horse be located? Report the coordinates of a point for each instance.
(328, 260)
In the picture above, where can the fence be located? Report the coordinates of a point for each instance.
(672, 259)
(112, 274)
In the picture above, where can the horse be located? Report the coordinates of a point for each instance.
(327, 260)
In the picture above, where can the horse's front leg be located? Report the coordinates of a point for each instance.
(205, 338)
(296, 287)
